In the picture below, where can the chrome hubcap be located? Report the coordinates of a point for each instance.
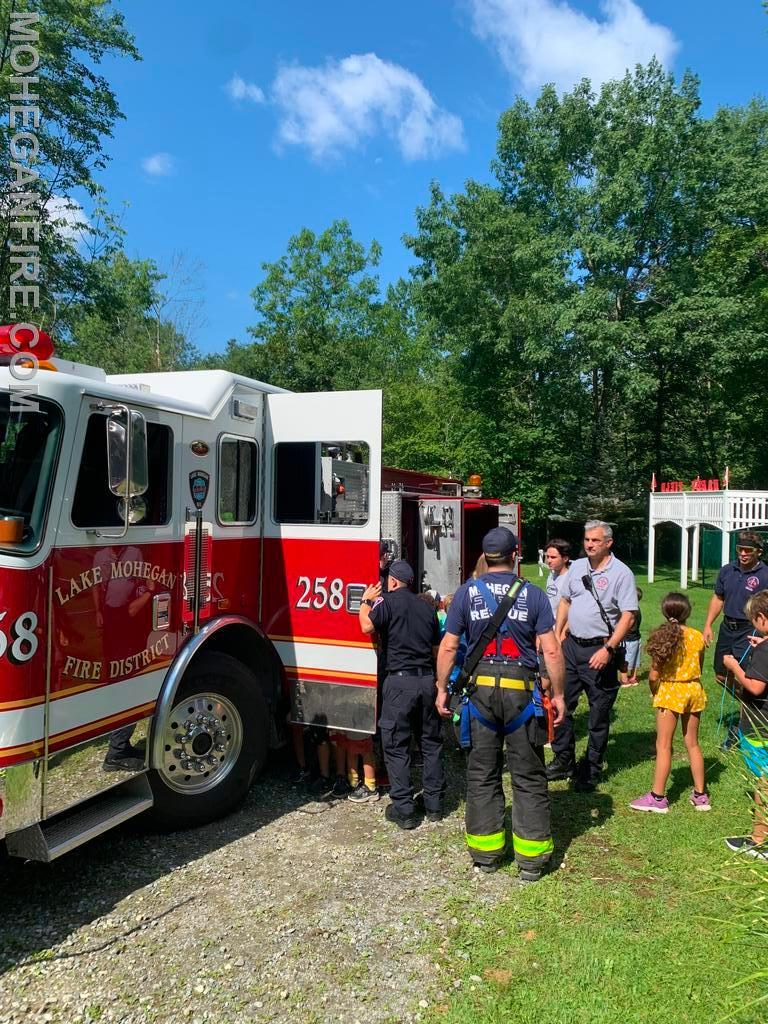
(202, 740)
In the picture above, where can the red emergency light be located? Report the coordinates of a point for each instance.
(15, 340)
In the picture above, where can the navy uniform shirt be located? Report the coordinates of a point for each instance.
(734, 585)
(529, 617)
(409, 627)
(754, 710)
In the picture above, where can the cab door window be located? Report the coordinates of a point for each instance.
(322, 482)
(238, 480)
(94, 505)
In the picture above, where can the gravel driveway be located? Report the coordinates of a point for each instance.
(288, 910)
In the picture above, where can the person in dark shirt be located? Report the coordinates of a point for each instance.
(736, 582)
(411, 633)
(752, 678)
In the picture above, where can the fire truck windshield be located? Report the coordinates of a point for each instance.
(30, 429)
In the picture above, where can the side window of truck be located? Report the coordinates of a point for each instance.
(238, 480)
(322, 482)
(94, 505)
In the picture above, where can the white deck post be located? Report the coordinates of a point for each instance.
(695, 553)
(651, 540)
(684, 546)
(725, 550)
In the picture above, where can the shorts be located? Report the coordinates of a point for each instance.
(684, 698)
(754, 751)
(632, 649)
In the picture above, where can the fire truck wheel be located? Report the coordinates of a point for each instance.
(215, 741)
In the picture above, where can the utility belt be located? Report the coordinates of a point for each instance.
(589, 641)
(414, 672)
(735, 625)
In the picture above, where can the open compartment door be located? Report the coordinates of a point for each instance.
(321, 548)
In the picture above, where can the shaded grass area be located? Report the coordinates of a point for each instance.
(626, 927)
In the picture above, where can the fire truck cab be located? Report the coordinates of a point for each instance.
(182, 559)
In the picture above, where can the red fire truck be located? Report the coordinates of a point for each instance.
(179, 552)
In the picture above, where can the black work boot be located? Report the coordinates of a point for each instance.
(585, 778)
(560, 768)
(406, 822)
(529, 875)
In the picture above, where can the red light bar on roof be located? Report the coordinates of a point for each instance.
(26, 339)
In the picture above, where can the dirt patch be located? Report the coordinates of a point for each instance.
(285, 911)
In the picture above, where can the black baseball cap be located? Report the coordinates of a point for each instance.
(499, 542)
(401, 571)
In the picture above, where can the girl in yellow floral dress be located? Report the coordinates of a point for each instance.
(677, 655)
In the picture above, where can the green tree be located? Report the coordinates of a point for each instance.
(125, 326)
(78, 110)
(591, 303)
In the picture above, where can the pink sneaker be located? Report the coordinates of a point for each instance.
(650, 803)
(700, 802)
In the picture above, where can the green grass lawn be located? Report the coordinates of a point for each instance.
(625, 929)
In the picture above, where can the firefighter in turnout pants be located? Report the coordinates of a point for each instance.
(504, 702)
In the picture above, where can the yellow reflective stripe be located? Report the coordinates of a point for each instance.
(532, 847)
(504, 683)
(488, 844)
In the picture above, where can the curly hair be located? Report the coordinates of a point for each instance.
(665, 640)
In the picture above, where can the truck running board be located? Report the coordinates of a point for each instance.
(49, 839)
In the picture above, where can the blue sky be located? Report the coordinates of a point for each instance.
(244, 126)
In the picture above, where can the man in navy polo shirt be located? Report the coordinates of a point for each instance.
(597, 608)
(736, 582)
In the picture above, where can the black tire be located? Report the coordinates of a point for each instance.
(217, 674)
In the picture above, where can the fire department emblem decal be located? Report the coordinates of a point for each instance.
(198, 486)
(752, 583)
(602, 582)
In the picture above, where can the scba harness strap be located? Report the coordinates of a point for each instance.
(468, 711)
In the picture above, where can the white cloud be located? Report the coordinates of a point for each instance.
(159, 165)
(239, 89)
(542, 41)
(67, 217)
(337, 106)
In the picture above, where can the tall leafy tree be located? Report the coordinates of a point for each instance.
(593, 328)
(126, 326)
(78, 110)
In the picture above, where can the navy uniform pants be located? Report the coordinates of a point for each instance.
(731, 639)
(484, 817)
(601, 688)
(407, 698)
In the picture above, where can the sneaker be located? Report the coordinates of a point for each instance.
(558, 769)
(128, 763)
(700, 802)
(362, 795)
(340, 787)
(747, 845)
(301, 777)
(322, 788)
(652, 803)
(406, 822)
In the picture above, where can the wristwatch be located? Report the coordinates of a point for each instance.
(367, 600)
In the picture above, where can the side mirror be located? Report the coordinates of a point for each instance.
(124, 449)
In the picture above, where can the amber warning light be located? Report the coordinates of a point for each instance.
(24, 339)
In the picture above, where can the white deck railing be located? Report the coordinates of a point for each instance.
(690, 510)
